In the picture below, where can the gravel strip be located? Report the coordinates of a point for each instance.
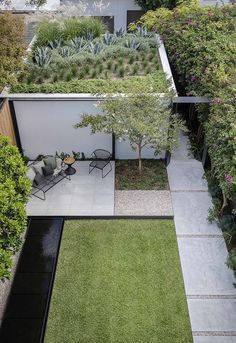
(156, 203)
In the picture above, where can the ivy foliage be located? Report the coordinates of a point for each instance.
(12, 48)
(14, 189)
(201, 46)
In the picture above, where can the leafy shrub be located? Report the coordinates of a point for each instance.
(200, 42)
(12, 48)
(153, 4)
(14, 189)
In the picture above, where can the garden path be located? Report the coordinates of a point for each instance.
(211, 296)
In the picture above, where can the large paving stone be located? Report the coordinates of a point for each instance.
(191, 211)
(186, 176)
(214, 339)
(203, 266)
(213, 315)
(183, 152)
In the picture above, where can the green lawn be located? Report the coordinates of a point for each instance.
(118, 281)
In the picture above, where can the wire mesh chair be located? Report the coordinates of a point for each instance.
(101, 159)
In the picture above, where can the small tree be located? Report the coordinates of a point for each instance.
(144, 119)
(14, 188)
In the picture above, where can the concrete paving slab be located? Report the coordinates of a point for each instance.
(214, 339)
(80, 196)
(213, 315)
(191, 212)
(183, 152)
(186, 176)
(204, 268)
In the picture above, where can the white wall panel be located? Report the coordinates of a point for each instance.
(47, 126)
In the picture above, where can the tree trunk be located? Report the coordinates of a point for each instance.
(139, 159)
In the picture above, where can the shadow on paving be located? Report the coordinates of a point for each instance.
(26, 312)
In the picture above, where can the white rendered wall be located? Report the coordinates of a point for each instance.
(46, 126)
(116, 8)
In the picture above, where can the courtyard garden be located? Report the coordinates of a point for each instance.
(80, 56)
(114, 282)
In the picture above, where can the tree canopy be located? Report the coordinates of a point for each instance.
(144, 119)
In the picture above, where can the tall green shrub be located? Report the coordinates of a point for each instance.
(14, 189)
(12, 48)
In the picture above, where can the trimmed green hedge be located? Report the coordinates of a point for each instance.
(150, 83)
(14, 189)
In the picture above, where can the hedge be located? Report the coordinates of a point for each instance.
(150, 83)
(14, 188)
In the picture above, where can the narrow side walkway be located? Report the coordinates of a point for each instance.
(26, 312)
(211, 295)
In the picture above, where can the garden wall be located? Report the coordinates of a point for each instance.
(46, 126)
(116, 8)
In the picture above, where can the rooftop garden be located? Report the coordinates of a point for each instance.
(79, 56)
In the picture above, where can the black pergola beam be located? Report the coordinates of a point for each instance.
(191, 100)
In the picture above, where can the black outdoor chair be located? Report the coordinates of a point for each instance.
(101, 159)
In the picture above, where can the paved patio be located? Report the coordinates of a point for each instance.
(211, 295)
(85, 194)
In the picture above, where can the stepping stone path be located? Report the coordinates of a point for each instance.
(211, 296)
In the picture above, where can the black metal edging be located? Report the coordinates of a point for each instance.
(49, 296)
(15, 125)
(109, 217)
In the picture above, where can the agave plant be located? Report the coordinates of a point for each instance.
(42, 56)
(55, 44)
(95, 48)
(108, 39)
(77, 43)
(142, 32)
(66, 51)
(132, 43)
(89, 36)
(120, 33)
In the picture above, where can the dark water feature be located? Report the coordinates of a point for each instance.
(26, 312)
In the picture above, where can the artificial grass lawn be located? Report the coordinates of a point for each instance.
(118, 281)
(153, 177)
